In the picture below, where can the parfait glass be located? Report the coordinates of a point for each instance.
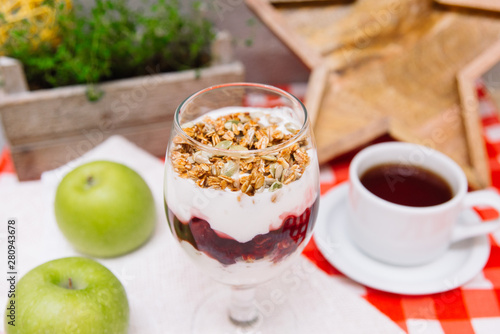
(241, 194)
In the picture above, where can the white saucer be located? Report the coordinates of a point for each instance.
(457, 266)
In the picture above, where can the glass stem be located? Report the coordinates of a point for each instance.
(242, 310)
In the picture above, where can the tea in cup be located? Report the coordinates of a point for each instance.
(406, 200)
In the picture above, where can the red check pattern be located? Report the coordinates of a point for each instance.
(472, 308)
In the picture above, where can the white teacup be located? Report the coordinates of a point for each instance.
(406, 235)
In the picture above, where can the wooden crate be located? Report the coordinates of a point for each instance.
(48, 128)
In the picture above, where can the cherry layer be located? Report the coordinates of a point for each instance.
(274, 245)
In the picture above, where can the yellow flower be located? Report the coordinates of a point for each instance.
(39, 15)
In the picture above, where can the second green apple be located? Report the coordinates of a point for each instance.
(105, 209)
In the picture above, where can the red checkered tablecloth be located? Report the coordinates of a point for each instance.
(472, 308)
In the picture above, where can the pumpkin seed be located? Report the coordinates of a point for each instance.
(202, 157)
(229, 168)
(275, 186)
(229, 124)
(225, 144)
(269, 181)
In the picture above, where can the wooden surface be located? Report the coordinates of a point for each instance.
(280, 26)
(392, 70)
(316, 91)
(480, 4)
(467, 78)
(34, 158)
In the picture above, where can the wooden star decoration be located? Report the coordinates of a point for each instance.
(406, 68)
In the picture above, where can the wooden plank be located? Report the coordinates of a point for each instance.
(278, 26)
(222, 49)
(345, 121)
(55, 113)
(32, 160)
(316, 87)
(467, 78)
(493, 5)
(12, 78)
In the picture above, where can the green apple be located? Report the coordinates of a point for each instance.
(104, 209)
(68, 296)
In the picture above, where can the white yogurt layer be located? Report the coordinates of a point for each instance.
(238, 215)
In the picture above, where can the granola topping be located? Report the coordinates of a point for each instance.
(240, 131)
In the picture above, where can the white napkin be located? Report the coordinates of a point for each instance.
(163, 287)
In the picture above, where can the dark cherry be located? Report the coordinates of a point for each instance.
(274, 245)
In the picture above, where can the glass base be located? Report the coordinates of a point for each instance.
(212, 316)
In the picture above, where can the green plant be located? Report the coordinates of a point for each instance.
(111, 42)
